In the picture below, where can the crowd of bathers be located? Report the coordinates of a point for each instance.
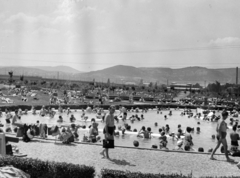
(67, 134)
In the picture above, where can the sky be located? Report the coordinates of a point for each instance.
(95, 34)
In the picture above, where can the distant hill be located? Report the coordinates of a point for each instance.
(65, 69)
(122, 74)
(32, 71)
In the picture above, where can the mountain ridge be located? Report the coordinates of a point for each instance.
(124, 73)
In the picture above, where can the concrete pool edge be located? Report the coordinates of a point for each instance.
(106, 106)
(51, 140)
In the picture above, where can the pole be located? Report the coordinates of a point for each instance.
(236, 75)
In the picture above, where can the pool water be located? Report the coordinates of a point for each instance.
(203, 139)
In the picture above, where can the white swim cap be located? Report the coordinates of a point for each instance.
(180, 142)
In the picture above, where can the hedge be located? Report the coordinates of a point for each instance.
(107, 173)
(46, 169)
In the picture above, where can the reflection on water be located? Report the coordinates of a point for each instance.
(203, 139)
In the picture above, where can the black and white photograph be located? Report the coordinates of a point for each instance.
(119, 88)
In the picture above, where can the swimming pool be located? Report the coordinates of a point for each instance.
(203, 139)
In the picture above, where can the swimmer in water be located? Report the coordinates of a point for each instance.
(60, 119)
(52, 113)
(8, 116)
(143, 133)
(83, 114)
(165, 117)
(132, 118)
(20, 112)
(72, 118)
(167, 129)
(68, 111)
(137, 110)
(99, 115)
(138, 118)
(60, 109)
(43, 111)
(34, 110)
(26, 112)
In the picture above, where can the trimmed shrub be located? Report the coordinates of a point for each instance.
(46, 169)
(107, 173)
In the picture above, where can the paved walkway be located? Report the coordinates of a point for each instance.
(148, 161)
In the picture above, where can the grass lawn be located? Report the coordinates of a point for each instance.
(43, 99)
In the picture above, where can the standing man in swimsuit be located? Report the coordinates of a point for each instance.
(109, 130)
(221, 136)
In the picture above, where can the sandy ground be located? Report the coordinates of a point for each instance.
(134, 160)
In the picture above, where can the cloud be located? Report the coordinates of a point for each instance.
(63, 19)
(2, 16)
(23, 18)
(45, 31)
(64, 13)
(65, 7)
(89, 8)
(225, 41)
(70, 11)
(6, 32)
(71, 35)
(20, 17)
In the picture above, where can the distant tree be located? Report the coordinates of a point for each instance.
(18, 86)
(10, 77)
(33, 83)
(197, 85)
(21, 78)
(51, 84)
(150, 85)
(214, 87)
(108, 83)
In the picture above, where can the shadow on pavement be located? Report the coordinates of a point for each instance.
(234, 162)
(121, 162)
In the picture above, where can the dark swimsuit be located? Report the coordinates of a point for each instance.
(234, 143)
(222, 135)
(110, 130)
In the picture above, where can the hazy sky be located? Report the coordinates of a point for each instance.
(95, 34)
